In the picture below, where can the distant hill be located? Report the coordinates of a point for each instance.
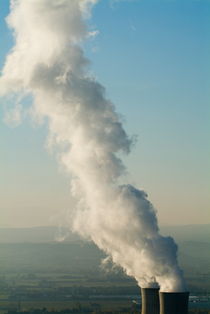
(71, 257)
(193, 241)
(195, 233)
(36, 235)
(42, 249)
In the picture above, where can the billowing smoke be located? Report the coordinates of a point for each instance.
(47, 61)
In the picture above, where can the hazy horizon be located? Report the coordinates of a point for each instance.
(64, 226)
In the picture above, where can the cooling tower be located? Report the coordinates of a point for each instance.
(174, 302)
(150, 301)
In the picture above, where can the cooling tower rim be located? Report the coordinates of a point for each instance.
(158, 288)
(173, 292)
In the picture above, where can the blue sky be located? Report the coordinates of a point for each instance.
(153, 58)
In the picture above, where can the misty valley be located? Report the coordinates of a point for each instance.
(40, 275)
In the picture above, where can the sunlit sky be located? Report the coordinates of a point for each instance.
(153, 58)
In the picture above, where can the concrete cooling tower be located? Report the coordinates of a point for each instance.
(150, 301)
(173, 302)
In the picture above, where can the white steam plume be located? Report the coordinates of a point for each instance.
(48, 62)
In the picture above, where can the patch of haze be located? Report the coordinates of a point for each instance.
(13, 117)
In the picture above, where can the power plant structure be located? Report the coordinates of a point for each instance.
(150, 301)
(155, 302)
(174, 302)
